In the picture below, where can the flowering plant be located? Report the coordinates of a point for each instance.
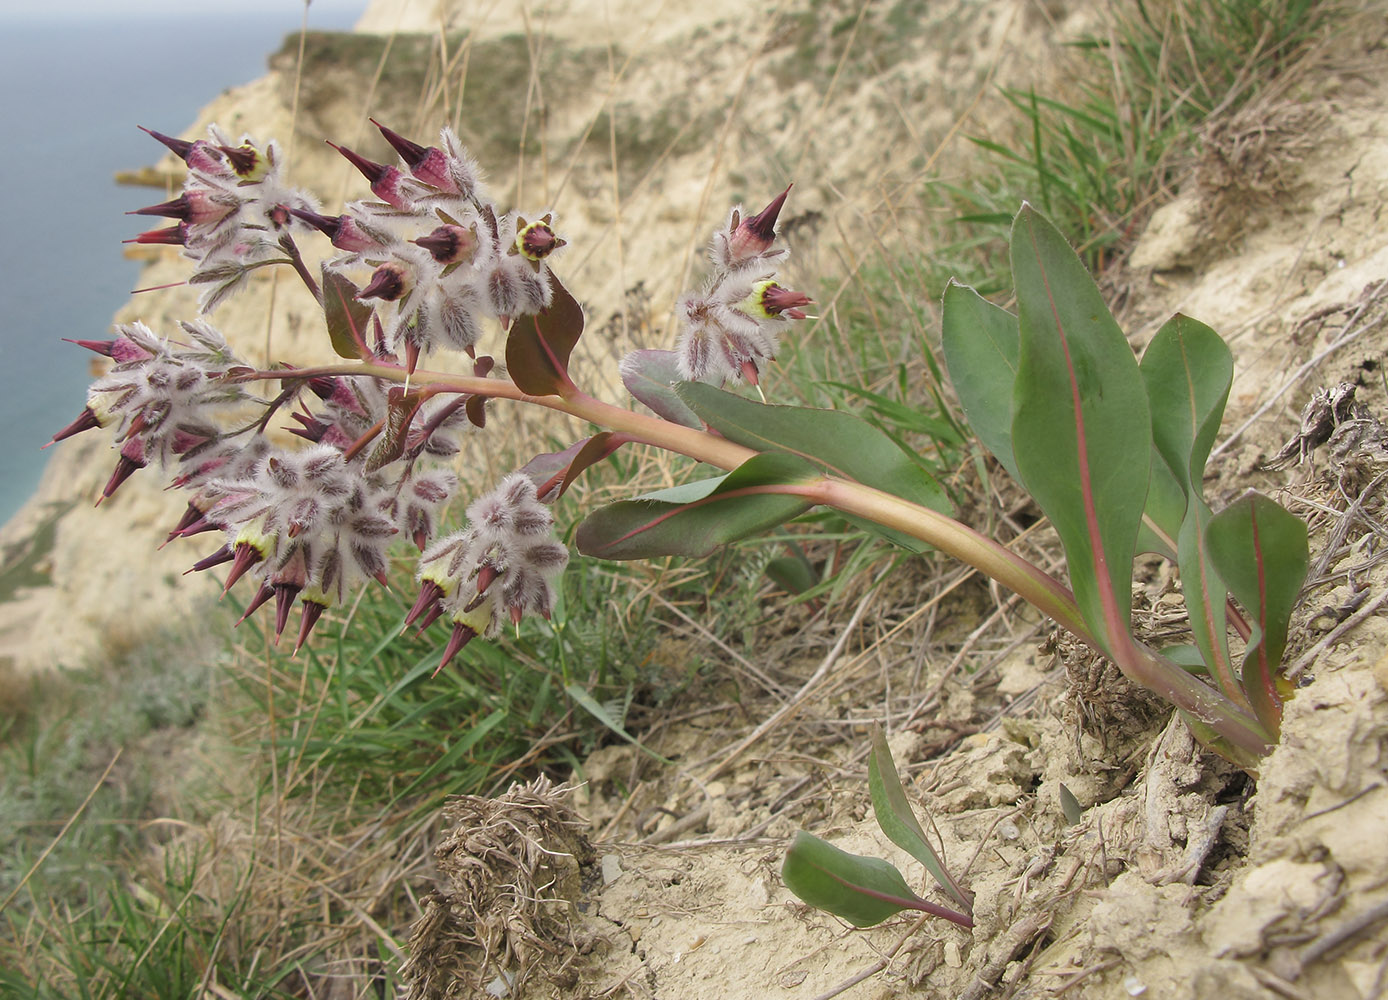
(1112, 451)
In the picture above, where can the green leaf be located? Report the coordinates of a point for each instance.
(1188, 371)
(898, 821)
(599, 446)
(650, 377)
(1187, 657)
(347, 318)
(694, 520)
(1261, 552)
(558, 470)
(981, 343)
(538, 346)
(840, 443)
(1081, 431)
(793, 573)
(863, 891)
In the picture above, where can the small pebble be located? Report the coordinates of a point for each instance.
(952, 957)
(611, 868)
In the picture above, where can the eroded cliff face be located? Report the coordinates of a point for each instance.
(698, 107)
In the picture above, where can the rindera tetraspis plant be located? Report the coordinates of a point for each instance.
(1112, 451)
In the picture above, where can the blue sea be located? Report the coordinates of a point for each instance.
(74, 85)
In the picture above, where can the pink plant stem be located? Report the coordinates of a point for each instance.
(1043, 591)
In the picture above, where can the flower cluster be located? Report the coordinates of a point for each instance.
(161, 400)
(441, 257)
(311, 524)
(429, 261)
(501, 567)
(730, 329)
(235, 213)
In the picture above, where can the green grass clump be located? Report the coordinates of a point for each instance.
(1099, 159)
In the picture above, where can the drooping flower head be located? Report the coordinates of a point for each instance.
(500, 568)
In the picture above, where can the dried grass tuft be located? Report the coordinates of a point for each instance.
(1251, 160)
(514, 866)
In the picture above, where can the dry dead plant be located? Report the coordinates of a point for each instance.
(514, 865)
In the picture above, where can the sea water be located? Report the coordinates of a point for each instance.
(75, 81)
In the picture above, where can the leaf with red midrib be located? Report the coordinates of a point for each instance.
(1081, 432)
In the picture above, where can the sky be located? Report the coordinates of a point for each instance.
(49, 10)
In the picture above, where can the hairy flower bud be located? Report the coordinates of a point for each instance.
(202, 157)
(428, 164)
(744, 240)
(389, 282)
(196, 206)
(450, 244)
(344, 231)
(387, 183)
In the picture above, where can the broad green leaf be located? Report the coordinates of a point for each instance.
(898, 821)
(743, 503)
(538, 346)
(594, 708)
(650, 377)
(1261, 552)
(1188, 370)
(695, 489)
(1081, 431)
(981, 343)
(863, 891)
(347, 318)
(840, 443)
